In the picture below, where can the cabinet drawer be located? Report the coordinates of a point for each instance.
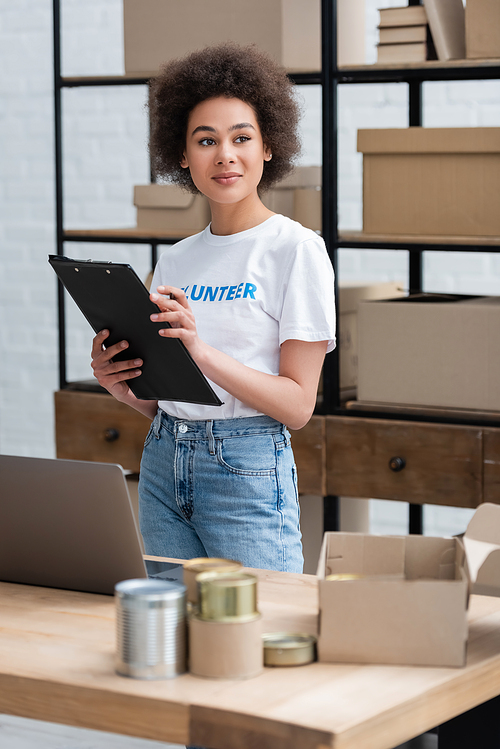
(94, 426)
(437, 464)
(309, 450)
(491, 475)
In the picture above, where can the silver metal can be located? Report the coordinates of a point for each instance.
(150, 628)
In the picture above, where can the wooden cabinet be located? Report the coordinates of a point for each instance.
(309, 447)
(491, 465)
(417, 462)
(94, 426)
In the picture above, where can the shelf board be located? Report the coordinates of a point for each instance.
(103, 80)
(451, 414)
(363, 240)
(300, 78)
(430, 70)
(126, 234)
(347, 239)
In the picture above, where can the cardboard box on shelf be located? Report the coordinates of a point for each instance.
(351, 32)
(298, 196)
(430, 350)
(409, 604)
(171, 209)
(447, 25)
(482, 29)
(155, 30)
(350, 295)
(434, 181)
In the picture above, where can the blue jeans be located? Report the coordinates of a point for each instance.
(222, 488)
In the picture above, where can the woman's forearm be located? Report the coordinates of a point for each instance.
(289, 397)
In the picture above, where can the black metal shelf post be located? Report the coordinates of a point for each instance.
(59, 187)
(329, 80)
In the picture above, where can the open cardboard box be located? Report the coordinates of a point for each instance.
(410, 606)
(439, 350)
(350, 296)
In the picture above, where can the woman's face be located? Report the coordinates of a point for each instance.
(224, 150)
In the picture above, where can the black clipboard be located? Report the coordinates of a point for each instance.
(112, 296)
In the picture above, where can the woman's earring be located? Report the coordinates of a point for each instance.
(270, 157)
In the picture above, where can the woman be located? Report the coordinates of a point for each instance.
(251, 297)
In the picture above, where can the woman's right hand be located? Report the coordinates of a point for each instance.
(109, 374)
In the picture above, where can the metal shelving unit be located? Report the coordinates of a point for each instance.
(330, 77)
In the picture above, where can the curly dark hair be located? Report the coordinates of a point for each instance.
(229, 70)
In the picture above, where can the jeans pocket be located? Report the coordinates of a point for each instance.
(253, 455)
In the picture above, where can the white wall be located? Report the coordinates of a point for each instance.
(105, 134)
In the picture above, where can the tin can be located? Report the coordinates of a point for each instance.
(194, 567)
(150, 628)
(289, 649)
(227, 597)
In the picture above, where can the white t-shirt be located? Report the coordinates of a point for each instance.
(249, 292)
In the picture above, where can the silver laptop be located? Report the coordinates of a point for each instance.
(69, 524)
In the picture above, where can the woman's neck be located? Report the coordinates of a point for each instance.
(234, 218)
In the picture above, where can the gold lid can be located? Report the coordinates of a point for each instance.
(212, 564)
(194, 567)
(227, 596)
(345, 576)
(289, 648)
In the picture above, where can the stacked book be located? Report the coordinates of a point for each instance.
(404, 35)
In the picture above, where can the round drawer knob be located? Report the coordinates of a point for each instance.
(397, 464)
(111, 435)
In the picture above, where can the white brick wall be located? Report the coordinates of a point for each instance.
(105, 132)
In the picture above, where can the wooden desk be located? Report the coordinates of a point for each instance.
(56, 664)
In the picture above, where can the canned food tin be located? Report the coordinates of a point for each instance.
(150, 628)
(226, 597)
(194, 567)
(289, 649)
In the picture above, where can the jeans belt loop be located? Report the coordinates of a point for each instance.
(210, 437)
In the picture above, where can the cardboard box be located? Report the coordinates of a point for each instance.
(298, 196)
(351, 32)
(410, 608)
(171, 209)
(431, 181)
(156, 31)
(482, 29)
(447, 25)
(430, 350)
(349, 298)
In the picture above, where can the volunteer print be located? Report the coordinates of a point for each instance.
(199, 293)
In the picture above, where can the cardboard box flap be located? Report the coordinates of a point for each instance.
(162, 196)
(482, 548)
(430, 140)
(350, 295)
(362, 554)
(430, 558)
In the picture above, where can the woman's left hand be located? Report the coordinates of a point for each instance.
(175, 309)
